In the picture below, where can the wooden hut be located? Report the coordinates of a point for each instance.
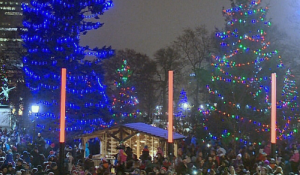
(134, 135)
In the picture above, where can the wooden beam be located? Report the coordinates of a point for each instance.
(113, 136)
(125, 132)
(116, 132)
(121, 133)
(131, 135)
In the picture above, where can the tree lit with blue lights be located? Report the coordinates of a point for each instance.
(52, 42)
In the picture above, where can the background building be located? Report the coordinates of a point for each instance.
(11, 49)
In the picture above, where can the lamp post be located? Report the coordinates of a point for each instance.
(34, 109)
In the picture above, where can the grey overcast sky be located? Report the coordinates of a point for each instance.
(148, 25)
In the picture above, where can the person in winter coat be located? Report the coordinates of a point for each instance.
(9, 158)
(36, 160)
(267, 149)
(19, 165)
(238, 161)
(145, 155)
(183, 166)
(26, 157)
(129, 154)
(294, 160)
(88, 162)
(70, 161)
(40, 143)
(87, 150)
(261, 156)
(121, 160)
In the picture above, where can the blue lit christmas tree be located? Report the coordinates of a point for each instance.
(240, 81)
(52, 42)
(183, 106)
(124, 100)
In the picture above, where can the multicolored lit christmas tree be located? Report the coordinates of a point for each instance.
(125, 102)
(288, 108)
(52, 42)
(240, 81)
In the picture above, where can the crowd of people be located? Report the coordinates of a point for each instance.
(211, 158)
(21, 157)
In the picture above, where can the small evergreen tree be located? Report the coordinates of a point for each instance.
(124, 101)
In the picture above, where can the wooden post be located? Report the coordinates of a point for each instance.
(166, 148)
(111, 145)
(152, 146)
(138, 152)
(101, 145)
(175, 148)
(105, 144)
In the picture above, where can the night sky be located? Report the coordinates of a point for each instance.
(148, 25)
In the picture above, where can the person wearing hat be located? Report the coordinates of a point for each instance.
(36, 158)
(160, 155)
(163, 170)
(9, 158)
(19, 165)
(51, 147)
(10, 169)
(26, 167)
(145, 155)
(70, 161)
(40, 143)
(238, 161)
(294, 160)
(39, 170)
(183, 166)
(54, 168)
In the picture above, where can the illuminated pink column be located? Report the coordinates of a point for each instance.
(273, 114)
(62, 119)
(170, 108)
(63, 105)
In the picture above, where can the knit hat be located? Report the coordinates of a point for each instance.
(266, 162)
(34, 170)
(164, 168)
(25, 153)
(159, 151)
(146, 148)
